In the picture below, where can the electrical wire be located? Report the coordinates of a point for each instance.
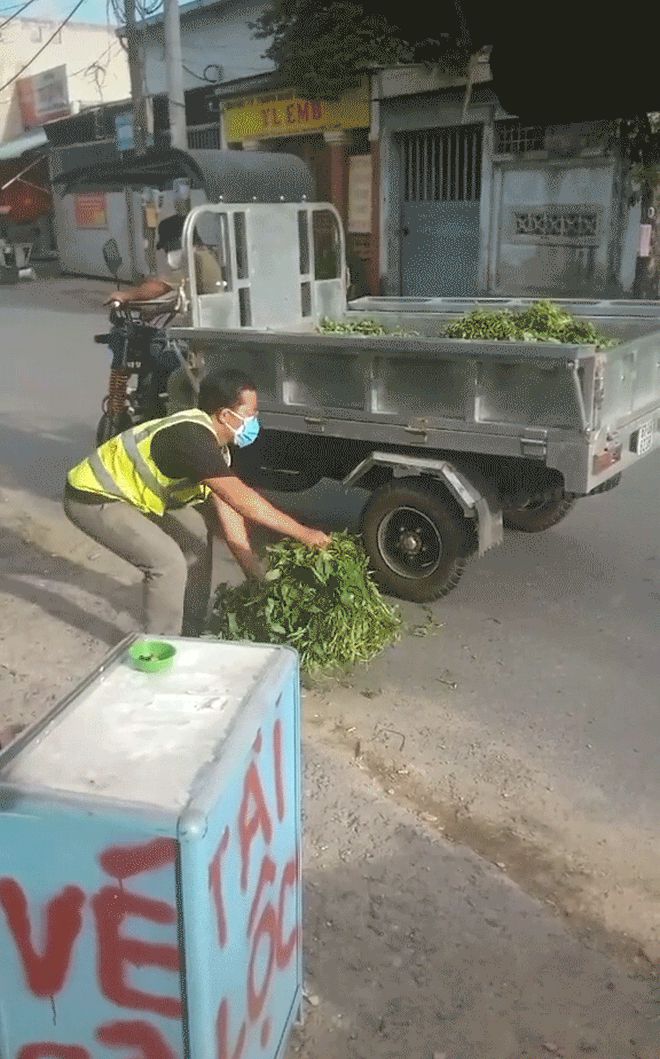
(142, 8)
(43, 46)
(16, 13)
(105, 54)
(198, 77)
(147, 10)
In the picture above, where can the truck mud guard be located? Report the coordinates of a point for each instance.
(473, 498)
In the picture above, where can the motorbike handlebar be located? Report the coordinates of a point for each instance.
(124, 313)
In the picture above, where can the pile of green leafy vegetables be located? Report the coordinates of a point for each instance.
(322, 602)
(544, 321)
(366, 327)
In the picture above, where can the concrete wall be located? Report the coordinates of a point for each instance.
(78, 46)
(531, 264)
(219, 35)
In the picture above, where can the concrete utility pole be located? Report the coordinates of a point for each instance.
(136, 72)
(174, 68)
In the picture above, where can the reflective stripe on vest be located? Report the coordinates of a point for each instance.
(140, 470)
(131, 439)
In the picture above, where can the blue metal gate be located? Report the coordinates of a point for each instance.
(441, 185)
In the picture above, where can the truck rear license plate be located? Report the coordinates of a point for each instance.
(644, 438)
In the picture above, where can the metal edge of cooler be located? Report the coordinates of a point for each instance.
(193, 828)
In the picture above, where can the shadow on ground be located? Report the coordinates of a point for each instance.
(63, 589)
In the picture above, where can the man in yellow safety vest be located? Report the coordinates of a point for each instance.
(153, 494)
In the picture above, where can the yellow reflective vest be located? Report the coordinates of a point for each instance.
(123, 469)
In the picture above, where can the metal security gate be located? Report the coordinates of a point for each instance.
(204, 137)
(441, 189)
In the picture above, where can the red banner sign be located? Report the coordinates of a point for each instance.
(43, 97)
(91, 210)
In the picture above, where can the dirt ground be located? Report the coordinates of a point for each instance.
(425, 935)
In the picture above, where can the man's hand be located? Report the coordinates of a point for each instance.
(315, 538)
(253, 567)
(120, 296)
(151, 289)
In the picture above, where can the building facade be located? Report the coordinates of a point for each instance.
(473, 202)
(83, 65)
(441, 191)
(217, 44)
(332, 138)
(235, 99)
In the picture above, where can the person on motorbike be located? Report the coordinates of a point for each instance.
(169, 302)
(171, 290)
(154, 494)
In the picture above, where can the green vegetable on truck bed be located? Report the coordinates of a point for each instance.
(323, 603)
(544, 321)
(366, 328)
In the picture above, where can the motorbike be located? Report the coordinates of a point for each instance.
(143, 355)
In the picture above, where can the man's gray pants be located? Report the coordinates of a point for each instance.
(173, 552)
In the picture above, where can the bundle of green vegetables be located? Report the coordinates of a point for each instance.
(544, 321)
(323, 603)
(367, 327)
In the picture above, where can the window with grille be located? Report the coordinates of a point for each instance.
(442, 165)
(565, 225)
(513, 138)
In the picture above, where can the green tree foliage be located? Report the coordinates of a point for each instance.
(325, 49)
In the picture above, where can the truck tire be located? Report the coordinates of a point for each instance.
(417, 540)
(537, 515)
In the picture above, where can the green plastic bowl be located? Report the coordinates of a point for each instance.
(152, 656)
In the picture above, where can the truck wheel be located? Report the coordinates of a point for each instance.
(538, 515)
(417, 540)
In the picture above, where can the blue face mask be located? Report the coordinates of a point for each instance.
(248, 432)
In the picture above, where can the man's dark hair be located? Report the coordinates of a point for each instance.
(223, 389)
(170, 231)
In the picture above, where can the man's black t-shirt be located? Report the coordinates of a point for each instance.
(184, 450)
(188, 450)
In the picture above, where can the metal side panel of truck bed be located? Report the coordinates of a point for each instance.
(585, 413)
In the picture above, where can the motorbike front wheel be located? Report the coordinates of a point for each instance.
(111, 425)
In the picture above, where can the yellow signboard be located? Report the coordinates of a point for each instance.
(285, 114)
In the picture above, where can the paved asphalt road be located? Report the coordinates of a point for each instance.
(552, 639)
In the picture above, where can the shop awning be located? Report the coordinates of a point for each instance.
(29, 141)
(235, 176)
